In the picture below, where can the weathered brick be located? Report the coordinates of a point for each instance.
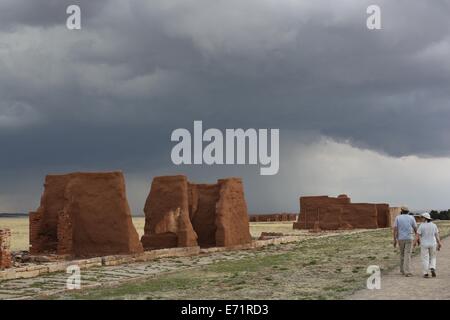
(5, 253)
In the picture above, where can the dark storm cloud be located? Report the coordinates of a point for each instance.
(109, 95)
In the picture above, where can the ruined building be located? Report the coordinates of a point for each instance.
(273, 217)
(5, 253)
(327, 213)
(394, 212)
(183, 214)
(83, 215)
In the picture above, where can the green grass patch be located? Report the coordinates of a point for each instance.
(317, 268)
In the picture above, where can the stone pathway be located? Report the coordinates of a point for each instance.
(54, 283)
(397, 287)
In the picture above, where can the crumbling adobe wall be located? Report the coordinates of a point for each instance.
(273, 217)
(167, 221)
(84, 215)
(314, 209)
(211, 214)
(231, 214)
(5, 244)
(384, 215)
(100, 215)
(360, 215)
(393, 213)
(330, 218)
(327, 213)
(65, 233)
(44, 221)
(203, 218)
(289, 217)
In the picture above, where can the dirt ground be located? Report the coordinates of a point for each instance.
(318, 266)
(394, 286)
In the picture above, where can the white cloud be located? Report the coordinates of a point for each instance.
(332, 168)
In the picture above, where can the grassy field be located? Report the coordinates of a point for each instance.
(20, 232)
(318, 268)
(315, 268)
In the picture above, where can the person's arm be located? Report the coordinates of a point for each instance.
(414, 225)
(417, 237)
(395, 234)
(438, 239)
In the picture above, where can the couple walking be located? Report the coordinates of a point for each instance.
(407, 235)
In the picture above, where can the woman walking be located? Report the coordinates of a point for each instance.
(428, 237)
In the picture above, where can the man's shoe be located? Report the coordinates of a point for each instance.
(433, 273)
(426, 275)
(408, 275)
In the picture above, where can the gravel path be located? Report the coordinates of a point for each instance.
(397, 287)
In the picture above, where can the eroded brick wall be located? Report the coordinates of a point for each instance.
(44, 221)
(65, 234)
(273, 217)
(231, 214)
(84, 215)
(384, 216)
(167, 220)
(329, 213)
(180, 213)
(393, 213)
(203, 218)
(5, 248)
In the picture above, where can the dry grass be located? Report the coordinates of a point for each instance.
(284, 227)
(19, 232)
(317, 268)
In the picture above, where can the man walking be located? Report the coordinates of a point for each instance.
(405, 229)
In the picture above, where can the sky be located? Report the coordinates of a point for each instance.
(361, 112)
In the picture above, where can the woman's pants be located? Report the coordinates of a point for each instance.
(428, 255)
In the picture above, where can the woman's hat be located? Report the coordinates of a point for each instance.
(426, 215)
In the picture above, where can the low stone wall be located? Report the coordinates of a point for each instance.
(255, 244)
(61, 266)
